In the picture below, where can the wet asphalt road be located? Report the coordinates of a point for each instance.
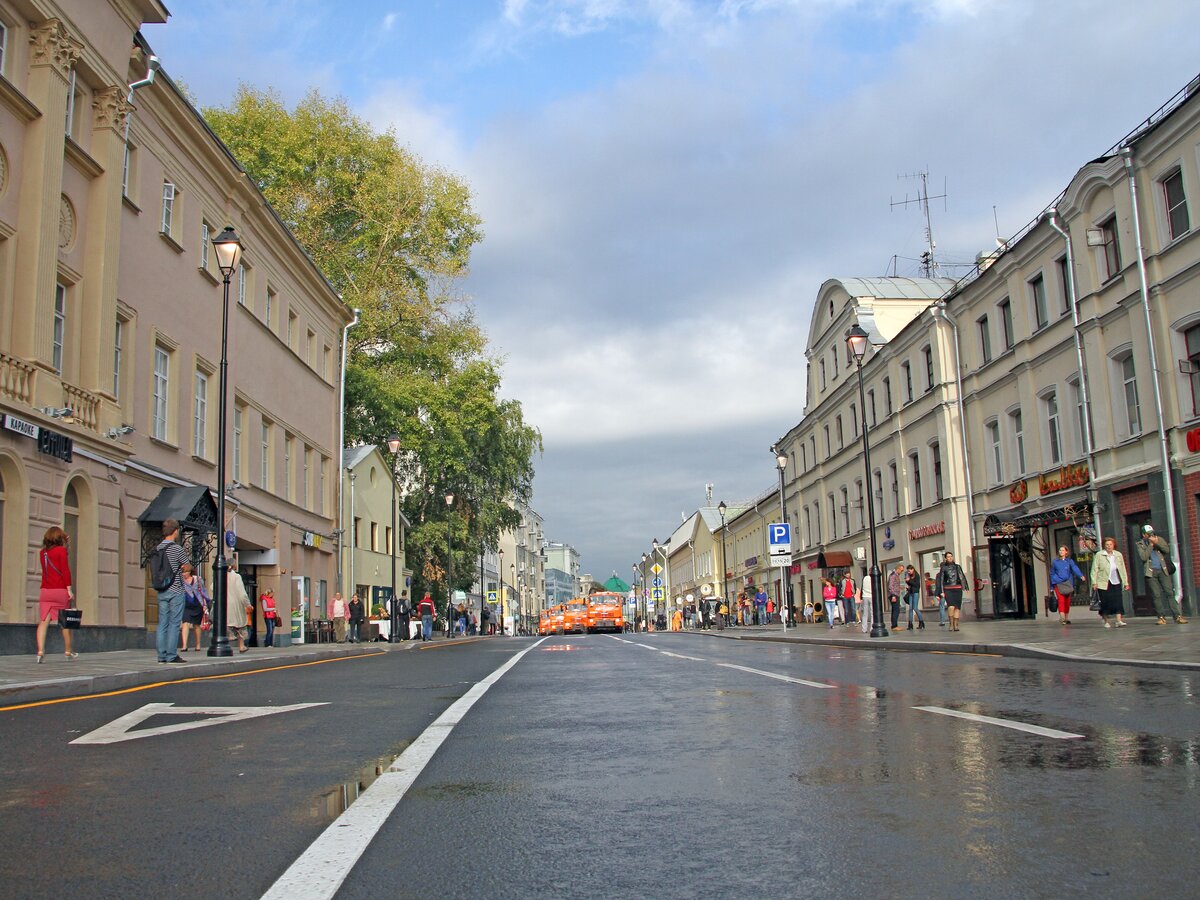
(600, 766)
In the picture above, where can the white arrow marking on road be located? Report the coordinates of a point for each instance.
(816, 684)
(119, 729)
(1003, 723)
(681, 656)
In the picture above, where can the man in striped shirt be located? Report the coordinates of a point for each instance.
(170, 601)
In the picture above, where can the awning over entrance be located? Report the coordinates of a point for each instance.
(1020, 521)
(834, 559)
(192, 507)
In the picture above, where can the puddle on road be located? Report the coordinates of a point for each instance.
(330, 804)
(465, 790)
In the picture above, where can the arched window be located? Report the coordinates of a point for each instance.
(71, 525)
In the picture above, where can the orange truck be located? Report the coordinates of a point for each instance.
(575, 616)
(604, 612)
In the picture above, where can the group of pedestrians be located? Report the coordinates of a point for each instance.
(1110, 579)
(845, 602)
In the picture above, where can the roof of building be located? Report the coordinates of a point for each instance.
(900, 287)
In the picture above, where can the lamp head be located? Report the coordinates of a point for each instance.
(857, 339)
(229, 250)
(781, 460)
(721, 507)
(449, 498)
(393, 443)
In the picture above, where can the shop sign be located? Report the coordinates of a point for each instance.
(1193, 440)
(54, 444)
(751, 562)
(915, 534)
(889, 544)
(312, 540)
(1019, 491)
(20, 426)
(1065, 477)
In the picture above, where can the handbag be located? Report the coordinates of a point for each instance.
(1052, 602)
(1094, 606)
(278, 622)
(70, 617)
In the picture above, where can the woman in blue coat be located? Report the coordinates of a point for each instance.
(1063, 573)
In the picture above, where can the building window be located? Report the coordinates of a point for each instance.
(241, 284)
(291, 331)
(357, 531)
(269, 309)
(287, 467)
(871, 405)
(327, 362)
(306, 475)
(935, 453)
(996, 462)
(985, 339)
(887, 395)
(3, 48)
(1064, 283)
(1110, 248)
(859, 509)
(840, 436)
(817, 514)
(928, 354)
(1176, 204)
(1006, 323)
(878, 478)
(238, 416)
(205, 231)
(845, 511)
(822, 369)
(118, 350)
(914, 466)
(60, 327)
(832, 517)
(854, 419)
(264, 456)
(1017, 424)
(168, 207)
(895, 476)
(126, 165)
(803, 457)
(375, 536)
(828, 445)
(1053, 432)
(322, 474)
(1133, 410)
(906, 371)
(310, 349)
(1191, 341)
(1080, 420)
(1037, 293)
(807, 527)
(162, 379)
(200, 416)
(72, 98)
(834, 355)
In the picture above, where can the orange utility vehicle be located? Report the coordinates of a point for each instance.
(544, 623)
(604, 612)
(575, 616)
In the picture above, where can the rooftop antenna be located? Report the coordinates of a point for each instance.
(929, 265)
(708, 493)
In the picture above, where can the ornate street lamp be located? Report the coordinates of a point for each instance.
(449, 566)
(500, 575)
(785, 574)
(228, 248)
(393, 445)
(856, 340)
(721, 507)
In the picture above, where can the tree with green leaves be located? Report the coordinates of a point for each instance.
(394, 238)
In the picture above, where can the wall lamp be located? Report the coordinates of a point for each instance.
(117, 432)
(55, 412)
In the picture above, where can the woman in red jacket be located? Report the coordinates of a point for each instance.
(56, 592)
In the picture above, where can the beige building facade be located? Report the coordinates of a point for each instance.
(374, 547)
(110, 332)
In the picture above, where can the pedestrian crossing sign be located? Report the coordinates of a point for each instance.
(491, 596)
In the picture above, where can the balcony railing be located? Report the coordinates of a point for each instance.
(86, 405)
(16, 379)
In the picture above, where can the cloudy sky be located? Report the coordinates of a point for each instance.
(666, 183)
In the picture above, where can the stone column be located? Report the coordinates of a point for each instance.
(53, 54)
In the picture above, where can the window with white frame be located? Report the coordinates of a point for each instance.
(322, 474)
(1037, 296)
(1191, 342)
(935, 456)
(205, 232)
(822, 371)
(287, 466)
(1053, 429)
(828, 445)
(803, 457)
(1175, 203)
(264, 455)
(1076, 400)
(840, 436)
(1016, 423)
(858, 505)
(269, 308)
(239, 416)
(162, 384)
(906, 373)
(895, 479)
(877, 476)
(927, 353)
(871, 405)
(817, 516)
(887, 395)
(914, 480)
(808, 526)
(168, 208)
(3, 49)
(995, 460)
(854, 419)
(241, 284)
(1006, 322)
(72, 99)
(1133, 409)
(306, 475)
(59, 334)
(119, 332)
(1110, 248)
(833, 352)
(832, 517)
(845, 510)
(200, 415)
(985, 338)
(1064, 283)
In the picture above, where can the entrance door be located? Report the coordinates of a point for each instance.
(1012, 578)
(1143, 603)
(985, 602)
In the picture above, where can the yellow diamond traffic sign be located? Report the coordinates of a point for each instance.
(656, 568)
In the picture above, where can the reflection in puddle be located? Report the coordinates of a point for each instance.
(464, 790)
(335, 801)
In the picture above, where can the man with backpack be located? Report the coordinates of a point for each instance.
(166, 565)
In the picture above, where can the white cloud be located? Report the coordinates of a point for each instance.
(427, 129)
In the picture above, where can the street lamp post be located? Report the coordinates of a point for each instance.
(721, 507)
(449, 566)
(512, 579)
(500, 575)
(393, 444)
(785, 574)
(856, 339)
(229, 251)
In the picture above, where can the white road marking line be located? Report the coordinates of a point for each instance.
(321, 869)
(118, 729)
(647, 646)
(788, 678)
(1003, 723)
(681, 656)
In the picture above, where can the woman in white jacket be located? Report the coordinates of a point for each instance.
(1110, 578)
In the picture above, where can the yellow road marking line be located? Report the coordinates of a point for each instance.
(158, 684)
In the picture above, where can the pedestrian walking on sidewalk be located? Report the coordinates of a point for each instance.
(425, 610)
(1109, 579)
(56, 592)
(170, 599)
(356, 615)
(270, 612)
(1155, 554)
(895, 590)
(949, 587)
(337, 612)
(195, 606)
(829, 599)
(848, 591)
(912, 581)
(237, 607)
(1063, 573)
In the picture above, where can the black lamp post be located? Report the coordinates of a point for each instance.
(449, 566)
(721, 507)
(229, 251)
(785, 573)
(655, 550)
(393, 444)
(856, 339)
(500, 575)
(512, 579)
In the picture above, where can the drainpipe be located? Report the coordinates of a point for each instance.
(1088, 447)
(1127, 156)
(939, 311)
(366, 600)
(341, 523)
